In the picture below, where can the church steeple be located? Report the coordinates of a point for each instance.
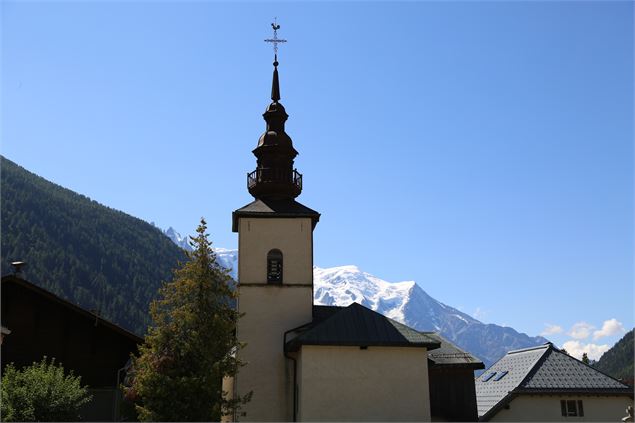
(274, 177)
(275, 85)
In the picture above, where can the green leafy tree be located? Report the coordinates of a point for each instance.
(41, 392)
(585, 358)
(191, 345)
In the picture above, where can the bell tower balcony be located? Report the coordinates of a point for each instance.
(274, 183)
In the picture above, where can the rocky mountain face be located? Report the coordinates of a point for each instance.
(408, 303)
(228, 259)
(181, 241)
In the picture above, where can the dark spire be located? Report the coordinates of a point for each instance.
(275, 85)
(275, 177)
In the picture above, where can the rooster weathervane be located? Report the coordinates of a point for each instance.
(275, 40)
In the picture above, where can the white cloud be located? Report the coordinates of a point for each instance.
(551, 330)
(581, 330)
(576, 349)
(610, 327)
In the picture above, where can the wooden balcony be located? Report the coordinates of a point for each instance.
(274, 182)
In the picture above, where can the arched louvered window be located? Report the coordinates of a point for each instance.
(274, 266)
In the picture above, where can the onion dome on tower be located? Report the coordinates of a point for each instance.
(275, 177)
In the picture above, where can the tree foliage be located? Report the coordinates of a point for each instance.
(82, 251)
(191, 344)
(618, 361)
(585, 358)
(41, 392)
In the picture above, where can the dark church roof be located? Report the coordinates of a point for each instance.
(324, 312)
(357, 325)
(274, 208)
(539, 370)
(449, 354)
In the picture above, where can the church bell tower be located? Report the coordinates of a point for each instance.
(275, 267)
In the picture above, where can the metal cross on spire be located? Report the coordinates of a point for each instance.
(275, 40)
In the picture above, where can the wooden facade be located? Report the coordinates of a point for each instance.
(43, 324)
(452, 393)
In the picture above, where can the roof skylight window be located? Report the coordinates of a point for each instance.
(500, 375)
(488, 376)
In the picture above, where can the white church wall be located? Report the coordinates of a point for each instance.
(352, 384)
(292, 236)
(269, 312)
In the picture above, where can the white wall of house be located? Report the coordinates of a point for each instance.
(547, 408)
(339, 383)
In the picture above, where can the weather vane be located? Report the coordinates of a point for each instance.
(275, 40)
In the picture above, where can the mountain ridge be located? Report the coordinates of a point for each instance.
(618, 361)
(87, 253)
(106, 260)
(408, 303)
(177, 238)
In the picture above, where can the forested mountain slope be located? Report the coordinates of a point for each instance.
(618, 361)
(97, 257)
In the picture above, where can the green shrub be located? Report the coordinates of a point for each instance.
(41, 392)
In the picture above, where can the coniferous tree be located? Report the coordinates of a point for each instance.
(80, 250)
(585, 358)
(618, 361)
(191, 345)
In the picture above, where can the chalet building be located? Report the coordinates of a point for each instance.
(307, 362)
(544, 384)
(41, 324)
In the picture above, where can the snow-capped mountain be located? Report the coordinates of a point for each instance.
(181, 241)
(408, 303)
(228, 259)
(341, 286)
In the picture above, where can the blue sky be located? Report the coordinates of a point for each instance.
(483, 149)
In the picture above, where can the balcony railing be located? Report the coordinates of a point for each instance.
(275, 176)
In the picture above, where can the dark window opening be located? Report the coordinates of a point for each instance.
(274, 266)
(571, 408)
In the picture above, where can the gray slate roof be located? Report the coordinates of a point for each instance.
(357, 325)
(274, 208)
(562, 372)
(450, 354)
(541, 369)
(518, 363)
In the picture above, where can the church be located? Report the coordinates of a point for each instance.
(306, 362)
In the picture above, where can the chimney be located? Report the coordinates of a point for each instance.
(17, 267)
